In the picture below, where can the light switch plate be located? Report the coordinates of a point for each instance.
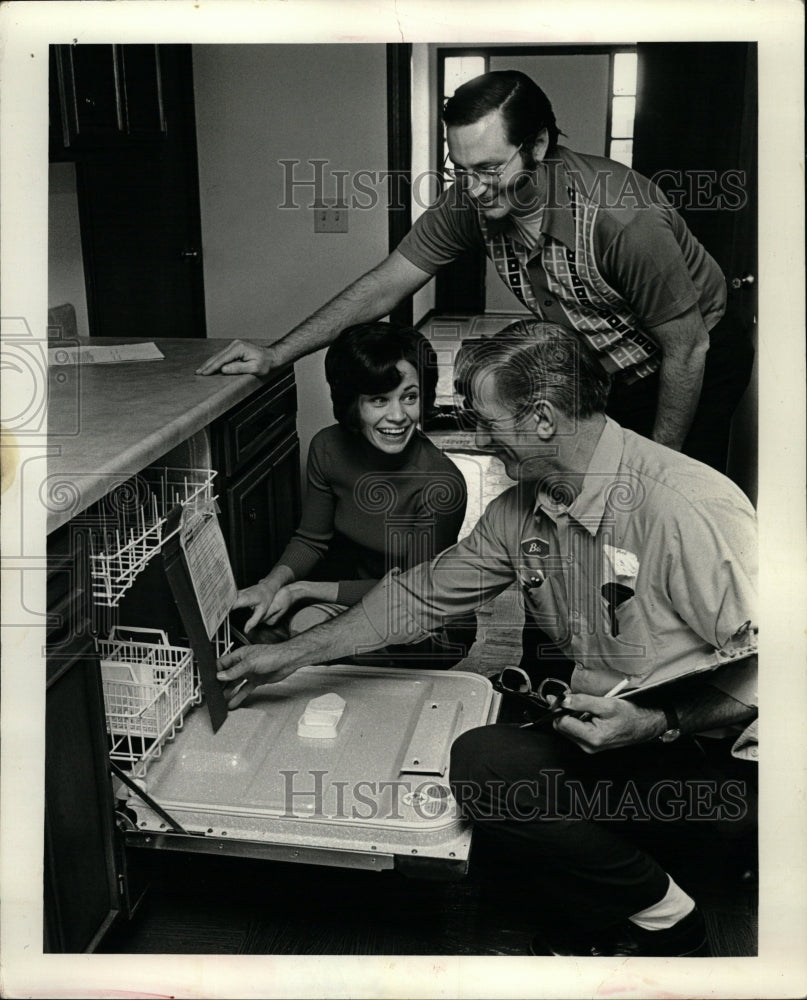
(330, 220)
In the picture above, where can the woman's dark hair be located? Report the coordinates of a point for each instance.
(524, 106)
(361, 362)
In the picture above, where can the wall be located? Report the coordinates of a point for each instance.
(65, 265)
(265, 269)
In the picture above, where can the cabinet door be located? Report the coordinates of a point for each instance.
(263, 509)
(140, 220)
(104, 98)
(144, 112)
(81, 883)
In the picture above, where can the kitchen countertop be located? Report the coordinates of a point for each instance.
(107, 422)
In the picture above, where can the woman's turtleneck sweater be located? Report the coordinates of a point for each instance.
(367, 512)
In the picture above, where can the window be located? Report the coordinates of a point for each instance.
(456, 71)
(460, 69)
(623, 107)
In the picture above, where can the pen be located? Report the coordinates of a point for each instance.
(586, 716)
(616, 688)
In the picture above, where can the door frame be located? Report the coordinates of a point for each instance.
(399, 155)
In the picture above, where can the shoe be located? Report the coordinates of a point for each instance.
(686, 939)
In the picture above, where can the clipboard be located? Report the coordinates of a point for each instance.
(740, 647)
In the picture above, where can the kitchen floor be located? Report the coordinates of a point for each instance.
(202, 904)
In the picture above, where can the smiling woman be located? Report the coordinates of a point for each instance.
(389, 419)
(380, 495)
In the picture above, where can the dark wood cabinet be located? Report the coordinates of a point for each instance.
(82, 889)
(263, 509)
(125, 115)
(104, 97)
(256, 453)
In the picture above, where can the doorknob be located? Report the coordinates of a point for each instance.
(189, 254)
(745, 282)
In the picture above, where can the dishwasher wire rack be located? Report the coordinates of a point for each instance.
(149, 686)
(128, 527)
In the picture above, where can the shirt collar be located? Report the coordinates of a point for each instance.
(602, 476)
(557, 220)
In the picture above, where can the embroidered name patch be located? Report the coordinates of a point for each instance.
(535, 546)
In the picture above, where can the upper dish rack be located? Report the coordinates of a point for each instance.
(129, 526)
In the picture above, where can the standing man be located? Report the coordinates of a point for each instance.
(581, 241)
(640, 564)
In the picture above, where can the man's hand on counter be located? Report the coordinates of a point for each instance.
(240, 358)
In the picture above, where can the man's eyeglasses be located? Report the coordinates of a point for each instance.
(470, 420)
(489, 176)
(549, 693)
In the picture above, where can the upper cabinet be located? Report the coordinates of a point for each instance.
(104, 97)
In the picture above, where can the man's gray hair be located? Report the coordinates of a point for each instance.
(535, 361)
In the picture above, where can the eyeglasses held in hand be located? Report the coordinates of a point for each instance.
(549, 693)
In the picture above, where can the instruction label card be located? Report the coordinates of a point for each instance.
(209, 567)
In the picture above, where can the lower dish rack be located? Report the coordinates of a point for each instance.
(149, 685)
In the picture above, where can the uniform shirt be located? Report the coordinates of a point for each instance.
(605, 253)
(678, 536)
(372, 511)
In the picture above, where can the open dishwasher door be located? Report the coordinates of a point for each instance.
(356, 779)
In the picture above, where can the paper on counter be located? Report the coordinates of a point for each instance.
(103, 355)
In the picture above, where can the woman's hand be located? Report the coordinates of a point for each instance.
(300, 590)
(281, 603)
(259, 598)
(246, 668)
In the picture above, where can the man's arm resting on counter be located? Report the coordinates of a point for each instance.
(336, 639)
(618, 722)
(369, 298)
(684, 342)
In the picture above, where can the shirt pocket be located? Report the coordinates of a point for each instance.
(546, 605)
(632, 650)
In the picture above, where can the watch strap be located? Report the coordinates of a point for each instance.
(673, 724)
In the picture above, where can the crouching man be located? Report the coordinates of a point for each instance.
(640, 565)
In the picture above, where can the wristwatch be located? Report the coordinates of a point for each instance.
(673, 730)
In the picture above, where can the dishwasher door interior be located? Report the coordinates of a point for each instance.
(359, 778)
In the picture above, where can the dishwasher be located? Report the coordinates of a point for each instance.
(335, 765)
